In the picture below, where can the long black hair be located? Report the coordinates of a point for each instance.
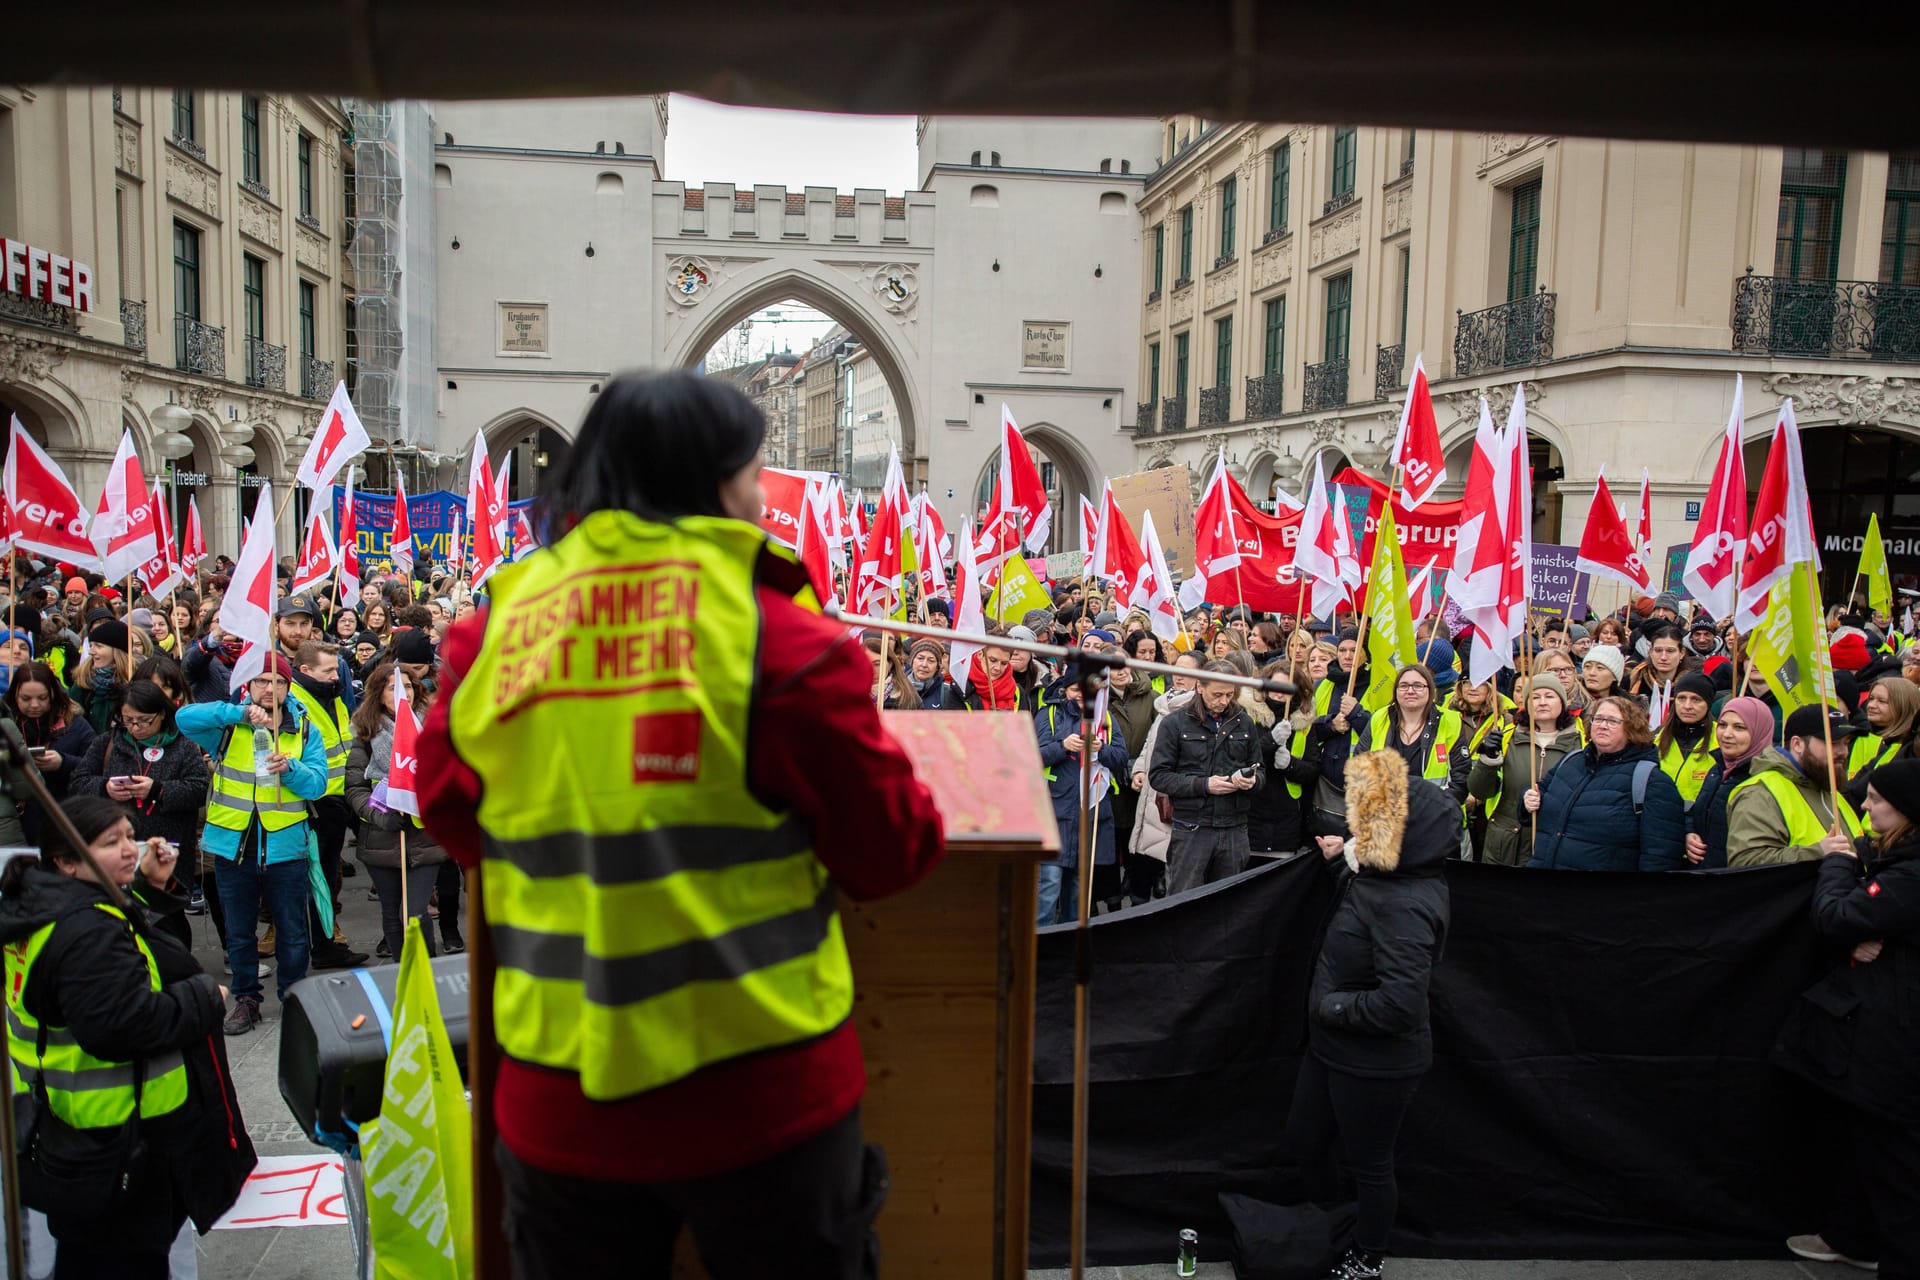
(657, 444)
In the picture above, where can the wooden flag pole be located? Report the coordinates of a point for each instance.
(886, 669)
(1083, 975)
(1826, 715)
(1360, 640)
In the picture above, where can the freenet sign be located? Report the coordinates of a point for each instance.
(45, 276)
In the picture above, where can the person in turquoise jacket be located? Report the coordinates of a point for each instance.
(257, 825)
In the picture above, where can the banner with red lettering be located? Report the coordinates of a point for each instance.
(784, 492)
(1426, 535)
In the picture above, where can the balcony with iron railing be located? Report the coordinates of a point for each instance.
(133, 325)
(1388, 362)
(1325, 386)
(316, 378)
(38, 311)
(1504, 337)
(1216, 405)
(1839, 319)
(266, 365)
(1263, 396)
(1338, 202)
(1144, 414)
(199, 348)
(1173, 413)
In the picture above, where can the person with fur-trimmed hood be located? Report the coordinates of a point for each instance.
(1369, 1038)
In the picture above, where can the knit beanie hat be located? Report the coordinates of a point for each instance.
(1609, 657)
(77, 584)
(1759, 721)
(1103, 635)
(940, 607)
(413, 646)
(1022, 632)
(16, 633)
(1695, 683)
(1438, 655)
(1551, 683)
(1576, 632)
(276, 664)
(1037, 620)
(928, 643)
(1898, 782)
(1850, 652)
(1668, 601)
(112, 633)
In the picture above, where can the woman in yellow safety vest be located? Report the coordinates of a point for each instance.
(1687, 740)
(1412, 726)
(1521, 750)
(106, 1023)
(1893, 724)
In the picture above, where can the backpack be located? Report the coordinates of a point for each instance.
(1642, 772)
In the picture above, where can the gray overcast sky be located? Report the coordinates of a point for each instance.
(707, 142)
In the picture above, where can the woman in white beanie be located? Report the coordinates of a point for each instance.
(1603, 672)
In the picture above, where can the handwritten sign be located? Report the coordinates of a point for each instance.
(290, 1191)
(1558, 584)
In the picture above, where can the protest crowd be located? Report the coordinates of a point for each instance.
(229, 736)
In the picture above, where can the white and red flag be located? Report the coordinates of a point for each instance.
(1323, 551)
(1643, 527)
(122, 528)
(1720, 539)
(811, 540)
(193, 539)
(880, 590)
(400, 542)
(1781, 535)
(524, 543)
(1019, 515)
(486, 515)
(1473, 580)
(1416, 454)
(782, 495)
(971, 616)
(247, 609)
(1117, 556)
(1496, 626)
(403, 766)
(1155, 593)
(318, 553)
(44, 511)
(337, 441)
(931, 547)
(349, 558)
(1606, 548)
(1089, 532)
(161, 572)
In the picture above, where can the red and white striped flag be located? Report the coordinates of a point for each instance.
(400, 542)
(193, 539)
(318, 554)
(349, 557)
(247, 609)
(486, 514)
(1782, 532)
(122, 528)
(1720, 539)
(1416, 446)
(1606, 548)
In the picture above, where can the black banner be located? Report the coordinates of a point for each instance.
(1600, 1086)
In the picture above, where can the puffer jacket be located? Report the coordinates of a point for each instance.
(1192, 748)
(1587, 822)
(1368, 1012)
(91, 979)
(380, 828)
(1151, 836)
(1503, 788)
(1856, 1033)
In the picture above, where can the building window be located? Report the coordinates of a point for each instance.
(1900, 230)
(1179, 364)
(1406, 154)
(1153, 374)
(309, 305)
(250, 139)
(1406, 284)
(1812, 192)
(1229, 199)
(306, 174)
(1523, 241)
(1223, 352)
(1346, 152)
(1275, 341)
(1280, 191)
(254, 285)
(1339, 316)
(1186, 243)
(1159, 257)
(186, 271)
(184, 124)
(1170, 141)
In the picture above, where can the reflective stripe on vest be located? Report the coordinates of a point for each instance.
(235, 796)
(650, 915)
(1446, 735)
(1689, 769)
(1506, 744)
(335, 735)
(85, 1091)
(1869, 749)
(1805, 826)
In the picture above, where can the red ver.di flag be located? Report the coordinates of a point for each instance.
(44, 512)
(317, 552)
(122, 528)
(193, 541)
(403, 768)
(1416, 448)
(339, 439)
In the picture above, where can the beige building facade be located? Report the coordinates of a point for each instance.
(1291, 273)
(211, 227)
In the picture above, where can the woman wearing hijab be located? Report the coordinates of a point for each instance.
(1686, 741)
(1745, 729)
(1854, 1034)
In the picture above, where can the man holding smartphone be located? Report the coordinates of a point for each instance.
(1208, 760)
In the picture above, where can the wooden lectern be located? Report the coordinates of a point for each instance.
(943, 976)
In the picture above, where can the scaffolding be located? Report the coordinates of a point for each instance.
(373, 252)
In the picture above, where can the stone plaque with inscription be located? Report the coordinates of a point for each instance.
(523, 328)
(1044, 345)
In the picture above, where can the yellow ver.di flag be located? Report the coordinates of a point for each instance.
(1390, 633)
(1018, 592)
(1873, 567)
(419, 1153)
(1790, 643)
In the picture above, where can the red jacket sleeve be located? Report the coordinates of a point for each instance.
(449, 789)
(818, 748)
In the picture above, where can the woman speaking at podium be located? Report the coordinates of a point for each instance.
(667, 766)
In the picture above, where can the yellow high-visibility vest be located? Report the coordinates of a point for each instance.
(651, 915)
(1804, 824)
(335, 734)
(1689, 769)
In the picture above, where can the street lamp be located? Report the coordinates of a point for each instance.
(238, 455)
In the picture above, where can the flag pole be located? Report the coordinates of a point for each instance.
(1826, 715)
(1360, 639)
(1092, 673)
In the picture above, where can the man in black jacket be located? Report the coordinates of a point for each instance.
(1209, 760)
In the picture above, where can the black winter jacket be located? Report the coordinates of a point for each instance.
(1587, 821)
(1708, 816)
(1368, 1007)
(180, 782)
(1193, 747)
(91, 979)
(1856, 1032)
